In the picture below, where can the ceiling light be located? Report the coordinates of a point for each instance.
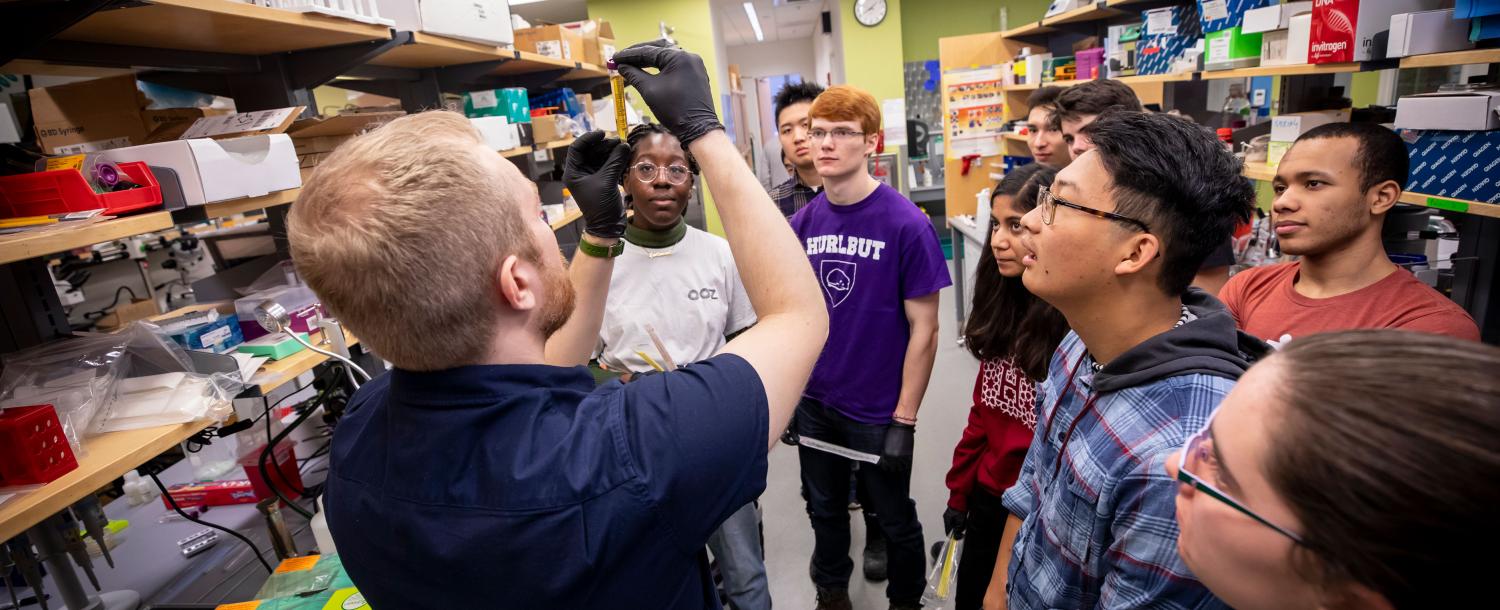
(754, 22)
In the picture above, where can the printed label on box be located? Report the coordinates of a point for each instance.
(1159, 23)
(95, 146)
(483, 99)
(215, 337)
(1218, 49)
(208, 127)
(1333, 31)
(1214, 10)
(550, 48)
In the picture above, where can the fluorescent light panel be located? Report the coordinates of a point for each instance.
(754, 22)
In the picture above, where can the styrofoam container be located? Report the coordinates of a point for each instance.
(484, 21)
(498, 132)
(220, 170)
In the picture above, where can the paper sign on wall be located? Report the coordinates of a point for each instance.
(893, 117)
(974, 104)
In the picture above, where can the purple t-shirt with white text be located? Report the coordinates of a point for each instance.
(869, 257)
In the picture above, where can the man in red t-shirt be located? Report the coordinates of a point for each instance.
(1333, 189)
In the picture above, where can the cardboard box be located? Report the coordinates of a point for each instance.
(550, 128)
(127, 313)
(1120, 50)
(1346, 30)
(1168, 34)
(1427, 32)
(483, 21)
(212, 493)
(555, 41)
(594, 33)
(314, 138)
(1274, 17)
(219, 170)
(1299, 39)
(1456, 164)
(606, 50)
(1230, 49)
(255, 123)
(1286, 128)
(1219, 15)
(88, 116)
(1454, 111)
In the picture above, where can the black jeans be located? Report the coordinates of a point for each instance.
(825, 478)
(986, 525)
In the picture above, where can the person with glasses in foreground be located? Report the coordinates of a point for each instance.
(878, 260)
(1113, 245)
(1353, 469)
(680, 284)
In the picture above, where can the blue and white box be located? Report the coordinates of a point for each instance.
(1455, 164)
(1168, 33)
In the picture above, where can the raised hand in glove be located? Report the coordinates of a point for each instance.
(678, 94)
(593, 172)
(955, 522)
(900, 438)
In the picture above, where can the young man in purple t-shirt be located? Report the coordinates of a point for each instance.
(879, 262)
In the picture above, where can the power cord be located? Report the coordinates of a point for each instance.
(173, 501)
(98, 314)
(271, 442)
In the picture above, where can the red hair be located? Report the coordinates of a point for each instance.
(847, 103)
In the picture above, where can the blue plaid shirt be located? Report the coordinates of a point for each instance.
(1098, 509)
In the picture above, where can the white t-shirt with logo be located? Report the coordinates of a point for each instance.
(690, 293)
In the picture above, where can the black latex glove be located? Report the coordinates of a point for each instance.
(955, 522)
(789, 436)
(678, 95)
(900, 438)
(595, 167)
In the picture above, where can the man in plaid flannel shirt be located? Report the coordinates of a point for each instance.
(1114, 246)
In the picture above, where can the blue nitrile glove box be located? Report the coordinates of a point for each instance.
(1217, 15)
(1167, 34)
(1454, 164)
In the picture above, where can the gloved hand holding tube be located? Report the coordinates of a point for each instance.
(678, 93)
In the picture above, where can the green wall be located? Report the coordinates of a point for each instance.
(693, 24)
(923, 22)
(872, 56)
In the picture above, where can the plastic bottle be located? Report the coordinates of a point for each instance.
(1236, 108)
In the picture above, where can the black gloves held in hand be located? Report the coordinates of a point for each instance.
(900, 439)
(678, 94)
(593, 172)
(955, 522)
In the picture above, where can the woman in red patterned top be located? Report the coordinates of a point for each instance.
(1013, 334)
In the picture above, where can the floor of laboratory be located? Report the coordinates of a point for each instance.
(788, 534)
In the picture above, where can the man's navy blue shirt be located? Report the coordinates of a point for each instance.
(524, 486)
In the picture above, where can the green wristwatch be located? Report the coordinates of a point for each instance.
(598, 251)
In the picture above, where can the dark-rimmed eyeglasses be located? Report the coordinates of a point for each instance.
(1048, 203)
(646, 172)
(1197, 458)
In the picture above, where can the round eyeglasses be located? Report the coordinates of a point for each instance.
(646, 172)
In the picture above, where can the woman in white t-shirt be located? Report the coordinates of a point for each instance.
(679, 283)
